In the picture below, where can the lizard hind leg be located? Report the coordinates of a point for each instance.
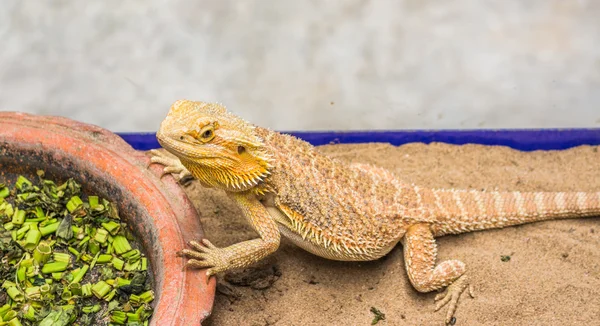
(420, 252)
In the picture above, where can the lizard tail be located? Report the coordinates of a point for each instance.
(461, 211)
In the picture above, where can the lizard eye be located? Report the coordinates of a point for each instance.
(207, 134)
(241, 149)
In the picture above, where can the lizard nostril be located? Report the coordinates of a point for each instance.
(241, 149)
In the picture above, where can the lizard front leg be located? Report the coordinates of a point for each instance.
(172, 165)
(420, 252)
(242, 254)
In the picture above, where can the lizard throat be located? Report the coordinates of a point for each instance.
(228, 179)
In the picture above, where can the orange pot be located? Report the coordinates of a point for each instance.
(157, 210)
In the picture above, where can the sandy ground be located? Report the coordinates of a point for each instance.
(552, 277)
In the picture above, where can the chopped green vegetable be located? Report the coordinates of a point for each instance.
(54, 267)
(112, 227)
(4, 309)
(86, 290)
(66, 295)
(21, 273)
(57, 275)
(75, 288)
(100, 289)
(93, 263)
(9, 226)
(10, 315)
(15, 294)
(144, 264)
(58, 317)
(121, 244)
(42, 253)
(8, 209)
(147, 296)
(83, 241)
(21, 182)
(118, 263)
(110, 295)
(132, 255)
(74, 204)
(39, 212)
(61, 257)
(20, 233)
(18, 217)
(121, 282)
(87, 258)
(14, 322)
(64, 229)
(101, 235)
(118, 317)
(29, 312)
(4, 192)
(377, 315)
(49, 229)
(68, 259)
(91, 309)
(80, 273)
(93, 201)
(133, 317)
(104, 259)
(32, 239)
(73, 251)
(45, 288)
(33, 293)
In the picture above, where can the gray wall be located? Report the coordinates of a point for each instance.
(293, 65)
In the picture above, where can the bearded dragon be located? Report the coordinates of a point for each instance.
(333, 209)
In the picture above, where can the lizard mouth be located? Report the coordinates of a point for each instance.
(174, 146)
(189, 151)
(168, 143)
(182, 148)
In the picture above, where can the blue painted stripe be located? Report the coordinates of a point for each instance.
(521, 139)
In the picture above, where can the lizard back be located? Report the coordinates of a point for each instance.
(354, 207)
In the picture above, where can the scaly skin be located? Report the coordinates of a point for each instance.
(340, 211)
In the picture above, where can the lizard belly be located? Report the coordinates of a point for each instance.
(318, 249)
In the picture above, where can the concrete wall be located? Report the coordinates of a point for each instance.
(309, 65)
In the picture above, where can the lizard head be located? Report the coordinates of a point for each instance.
(219, 148)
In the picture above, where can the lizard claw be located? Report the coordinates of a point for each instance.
(205, 255)
(451, 295)
(172, 165)
(206, 244)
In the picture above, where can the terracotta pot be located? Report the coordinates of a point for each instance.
(157, 210)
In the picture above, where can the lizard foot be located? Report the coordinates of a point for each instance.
(172, 165)
(451, 295)
(205, 255)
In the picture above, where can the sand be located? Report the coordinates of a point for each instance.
(552, 277)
